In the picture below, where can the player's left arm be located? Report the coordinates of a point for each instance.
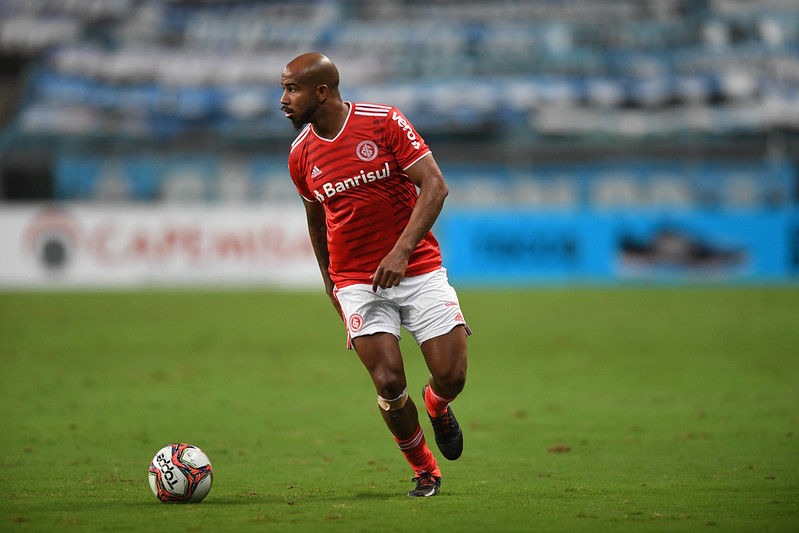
(426, 175)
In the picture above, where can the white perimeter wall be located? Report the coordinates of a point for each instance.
(128, 246)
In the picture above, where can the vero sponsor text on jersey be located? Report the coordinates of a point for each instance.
(328, 190)
(407, 129)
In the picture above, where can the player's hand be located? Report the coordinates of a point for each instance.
(390, 271)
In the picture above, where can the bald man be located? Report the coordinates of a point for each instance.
(372, 192)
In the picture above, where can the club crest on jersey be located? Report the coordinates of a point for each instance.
(329, 190)
(366, 151)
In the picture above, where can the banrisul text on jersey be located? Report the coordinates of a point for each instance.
(328, 190)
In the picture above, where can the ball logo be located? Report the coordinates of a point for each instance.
(366, 151)
(356, 322)
(167, 471)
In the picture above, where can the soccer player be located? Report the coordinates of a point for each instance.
(372, 191)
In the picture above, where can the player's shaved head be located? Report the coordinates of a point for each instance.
(310, 94)
(314, 69)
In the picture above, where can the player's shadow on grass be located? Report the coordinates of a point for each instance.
(249, 500)
(306, 498)
(373, 496)
(299, 500)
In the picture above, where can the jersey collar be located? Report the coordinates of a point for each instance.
(343, 126)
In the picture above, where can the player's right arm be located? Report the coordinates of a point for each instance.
(315, 216)
(317, 230)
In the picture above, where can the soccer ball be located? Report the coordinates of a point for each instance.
(181, 473)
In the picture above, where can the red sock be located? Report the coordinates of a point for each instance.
(435, 404)
(418, 454)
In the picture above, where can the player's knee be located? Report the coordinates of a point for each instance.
(391, 386)
(453, 381)
(456, 383)
(389, 381)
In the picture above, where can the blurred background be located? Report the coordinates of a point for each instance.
(584, 141)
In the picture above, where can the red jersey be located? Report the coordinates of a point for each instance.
(359, 177)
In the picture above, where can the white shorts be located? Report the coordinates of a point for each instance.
(427, 306)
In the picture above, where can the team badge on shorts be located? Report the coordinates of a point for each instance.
(366, 151)
(356, 322)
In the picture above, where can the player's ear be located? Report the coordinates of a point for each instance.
(321, 92)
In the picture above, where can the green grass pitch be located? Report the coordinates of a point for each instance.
(589, 409)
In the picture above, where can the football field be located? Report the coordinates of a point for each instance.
(586, 409)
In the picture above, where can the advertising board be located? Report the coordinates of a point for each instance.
(65, 246)
(489, 247)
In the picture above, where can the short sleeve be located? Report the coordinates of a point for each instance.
(401, 137)
(299, 182)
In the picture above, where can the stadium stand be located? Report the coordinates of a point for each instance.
(504, 75)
